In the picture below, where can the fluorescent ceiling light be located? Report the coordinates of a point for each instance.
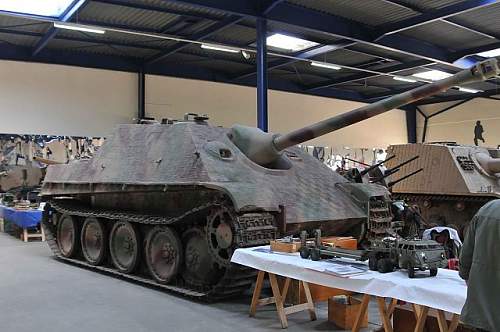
(77, 27)
(219, 48)
(469, 90)
(53, 8)
(289, 43)
(404, 79)
(490, 54)
(325, 65)
(433, 75)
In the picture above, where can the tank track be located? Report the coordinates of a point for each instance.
(252, 229)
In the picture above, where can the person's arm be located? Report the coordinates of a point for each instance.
(468, 250)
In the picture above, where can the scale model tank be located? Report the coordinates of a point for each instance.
(167, 204)
(455, 182)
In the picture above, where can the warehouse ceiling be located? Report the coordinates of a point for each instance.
(372, 43)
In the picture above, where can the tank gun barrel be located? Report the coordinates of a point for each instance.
(369, 169)
(479, 72)
(396, 168)
(489, 164)
(265, 148)
(356, 161)
(392, 183)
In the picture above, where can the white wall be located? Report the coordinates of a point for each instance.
(226, 105)
(458, 123)
(64, 100)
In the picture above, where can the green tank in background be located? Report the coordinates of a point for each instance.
(167, 204)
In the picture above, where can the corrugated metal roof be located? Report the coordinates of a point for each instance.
(96, 48)
(485, 19)
(236, 35)
(20, 24)
(188, 20)
(429, 4)
(446, 35)
(186, 8)
(345, 57)
(134, 18)
(19, 40)
(370, 12)
(383, 53)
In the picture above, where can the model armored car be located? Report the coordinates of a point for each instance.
(384, 255)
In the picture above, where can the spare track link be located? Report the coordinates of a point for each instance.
(237, 278)
(429, 197)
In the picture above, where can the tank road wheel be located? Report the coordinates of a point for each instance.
(163, 254)
(93, 240)
(411, 270)
(124, 246)
(315, 254)
(372, 263)
(220, 235)
(200, 268)
(67, 235)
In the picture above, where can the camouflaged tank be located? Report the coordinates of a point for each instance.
(455, 182)
(167, 204)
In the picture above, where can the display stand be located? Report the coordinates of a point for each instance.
(420, 312)
(27, 234)
(279, 297)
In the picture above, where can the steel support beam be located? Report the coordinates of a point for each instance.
(315, 51)
(141, 95)
(361, 76)
(435, 15)
(66, 16)
(262, 115)
(426, 124)
(411, 123)
(211, 30)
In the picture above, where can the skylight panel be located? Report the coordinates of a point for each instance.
(52, 8)
(490, 54)
(433, 75)
(289, 43)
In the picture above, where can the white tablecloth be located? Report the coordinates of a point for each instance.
(447, 291)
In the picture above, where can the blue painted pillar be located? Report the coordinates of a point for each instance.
(262, 118)
(141, 95)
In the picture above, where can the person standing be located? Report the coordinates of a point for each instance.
(478, 133)
(480, 268)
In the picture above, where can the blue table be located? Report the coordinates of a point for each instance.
(24, 219)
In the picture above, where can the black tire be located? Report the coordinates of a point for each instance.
(304, 252)
(94, 241)
(68, 235)
(433, 271)
(315, 254)
(385, 265)
(373, 263)
(164, 253)
(125, 246)
(411, 270)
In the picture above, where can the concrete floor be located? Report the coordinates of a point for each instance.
(38, 293)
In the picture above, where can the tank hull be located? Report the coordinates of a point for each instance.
(453, 185)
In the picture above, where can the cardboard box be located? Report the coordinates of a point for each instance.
(289, 247)
(404, 321)
(344, 313)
